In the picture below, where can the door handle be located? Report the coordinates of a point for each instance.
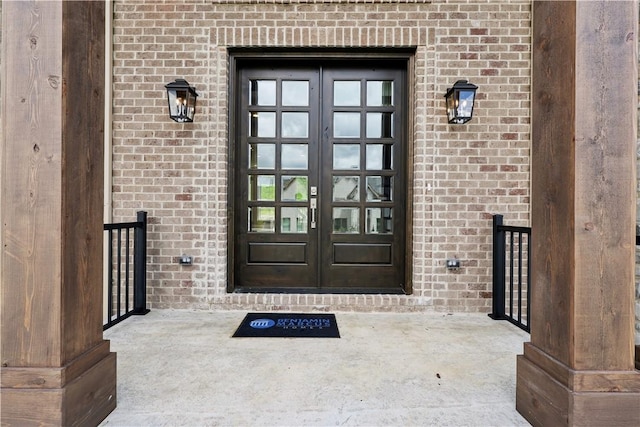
(313, 205)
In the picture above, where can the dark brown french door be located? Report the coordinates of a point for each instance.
(319, 199)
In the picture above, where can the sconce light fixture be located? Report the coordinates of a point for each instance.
(182, 100)
(460, 99)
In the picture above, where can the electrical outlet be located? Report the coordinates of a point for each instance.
(453, 264)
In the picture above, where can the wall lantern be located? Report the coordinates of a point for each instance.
(182, 100)
(460, 100)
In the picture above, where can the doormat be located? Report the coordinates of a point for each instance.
(288, 325)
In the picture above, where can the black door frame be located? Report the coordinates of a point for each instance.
(403, 57)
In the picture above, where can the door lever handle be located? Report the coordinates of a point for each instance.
(313, 205)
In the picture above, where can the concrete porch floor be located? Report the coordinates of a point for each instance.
(182, 368)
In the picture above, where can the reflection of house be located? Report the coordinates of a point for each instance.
(294, 218)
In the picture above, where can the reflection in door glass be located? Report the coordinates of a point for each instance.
(379, 125)
(293, 220)
(346, 93)
(346, 156)
(262, 156)
(262, 187)
(295, 93)
(262, 92)
(379, 188)
(346, 125)
(379, 93)
(262, 125)
(262, 219)
(379, 157)
(294, 188)
(346, 220)
(346, 188)
(379, 221)
(295, 125)
(295, 156)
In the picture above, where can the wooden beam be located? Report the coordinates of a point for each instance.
(578, 368)
(56, 367)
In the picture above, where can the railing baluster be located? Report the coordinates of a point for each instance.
(110, 279)
(119, 258)
(126, 267)
(511, 274)
(520, 277)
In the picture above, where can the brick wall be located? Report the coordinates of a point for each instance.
(462, 174)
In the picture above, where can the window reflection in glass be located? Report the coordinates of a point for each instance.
(293, 220)
(262, 124)
(295, 156)
(346, 93)
(346, 125)
(379, 157)
(294, 188)
(295, 93)
(262, 187)
(346, 220)
(262, 92)
(262, 156)
(379, 93)
(379, 221)
(379, 125)
(295, 125)
(262, 219)
(346, 188)
(379, 188)
(346, 156)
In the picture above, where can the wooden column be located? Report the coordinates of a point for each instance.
(56, 367)
(578, 369)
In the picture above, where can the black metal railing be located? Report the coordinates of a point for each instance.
(511, 273)
(126, 285)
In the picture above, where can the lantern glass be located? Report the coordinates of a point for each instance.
(182, 101)
(460, 100)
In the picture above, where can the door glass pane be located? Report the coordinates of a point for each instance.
(293, 220)
(294, 188)
(346, 188)
(379, 93)
(346, 93)
(262, 156)
(262, 92)
(262, 187)
(346, 220)
(379, 188)
(346, 125)
(262, 125)
(379, 221)
(379, 157)
(295, 93)
(379, 125)
(295, 125)
(346, 156)
(295, 156)
(262, 219)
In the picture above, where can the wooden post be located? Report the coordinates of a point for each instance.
(578, 368)
(56, 367)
